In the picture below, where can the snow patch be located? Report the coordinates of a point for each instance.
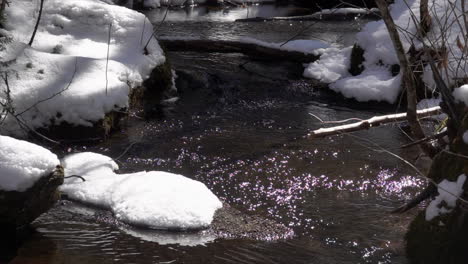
(374, 83)
(465, 137)
(461, 94)
(155, 199)
(23, 163)
(448, 193)
(332, 66)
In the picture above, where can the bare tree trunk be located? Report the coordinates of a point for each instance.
(426, 20)
(2, 7)
(37, 23)
(408, 78)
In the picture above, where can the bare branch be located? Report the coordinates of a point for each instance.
(37, 24)
(372, 122)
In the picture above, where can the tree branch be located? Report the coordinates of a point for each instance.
(371, 122)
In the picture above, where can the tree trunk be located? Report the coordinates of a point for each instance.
(425, 24)
(408, 78)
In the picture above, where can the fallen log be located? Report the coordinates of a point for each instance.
(371, 122)
(315, 17)
(232, 46)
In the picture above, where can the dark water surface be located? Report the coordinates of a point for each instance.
(241, 132)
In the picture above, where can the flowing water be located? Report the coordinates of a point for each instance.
(241, 131)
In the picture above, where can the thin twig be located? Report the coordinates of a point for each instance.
(55, 94)
(37, 24)
(432, 137)
(107, 59)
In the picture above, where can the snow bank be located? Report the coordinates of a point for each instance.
(68, 59)
(155, 199)
(379, 52)
(23, 163)
(447, 198)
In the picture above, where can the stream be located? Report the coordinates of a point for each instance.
(241, 131)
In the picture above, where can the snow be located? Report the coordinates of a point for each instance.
(447, 198)
(461, 94)
(332, 66)
(465, 137)
(23, 163)
(374, 83)
(68, 59)
(154, 199)
(379, 52)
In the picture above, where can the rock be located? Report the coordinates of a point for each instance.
(149, 96)
(19, 209)
(229, 222)
(357, 58)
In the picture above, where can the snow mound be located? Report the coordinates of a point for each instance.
(332, 66)
(65, 75)
(375, 83)
(23, 163)
(164, 200)
(447, 198)
(155, 199)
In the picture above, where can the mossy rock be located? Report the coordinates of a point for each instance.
(357, 58)
(149, 96)
(100, 129)
(19, 209)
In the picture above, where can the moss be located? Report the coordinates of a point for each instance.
(154, 88)
(357, 58)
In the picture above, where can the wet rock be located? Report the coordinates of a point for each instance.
(100, 129)
(229, 222)
(154, 89)
(357, 58)
(18, 209)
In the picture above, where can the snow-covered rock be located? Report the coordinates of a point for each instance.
(155, 199)
(23, 163)
(65, 75)
(29, 178)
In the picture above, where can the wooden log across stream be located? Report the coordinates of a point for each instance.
(233, 46)
(371, 122)
(315, 17)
